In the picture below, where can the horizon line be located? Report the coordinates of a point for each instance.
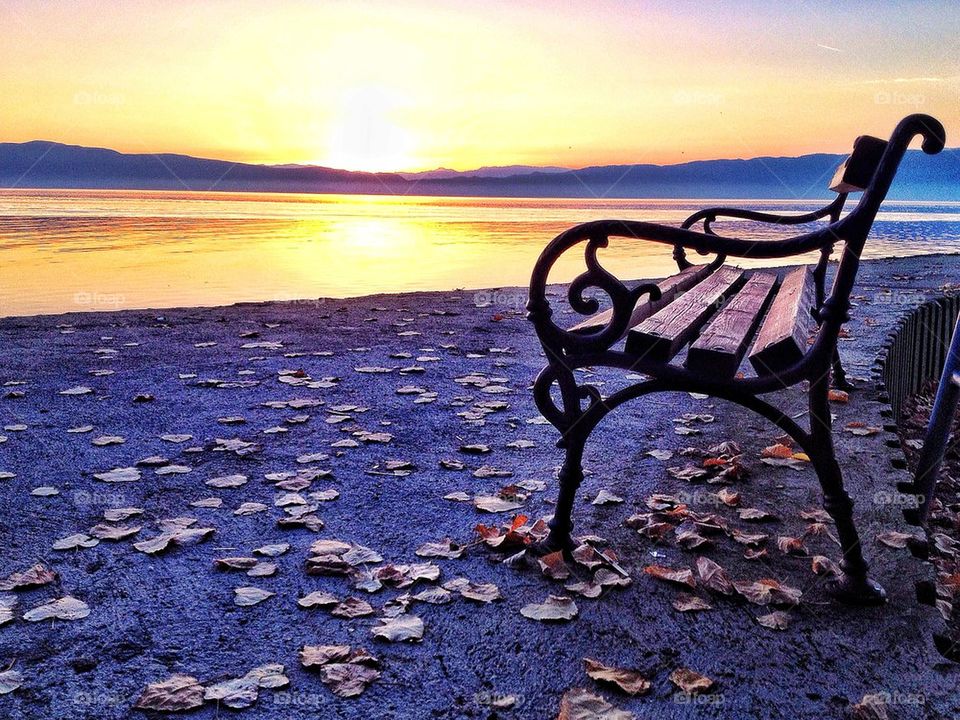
(558, 169)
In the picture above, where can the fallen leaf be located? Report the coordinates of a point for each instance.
(179, 692)
(713, 576)
(629, 681)
(318, 598)
(871, 707)
(894, 539)
(578, 704)
(399, 629)
(445, 548)
(247, 596)
(65, 608)
(767, 592)
(692, 683)
(352, 608)
(680, 577)
(496, 504)
(606, 498)
(123, 474)
(685, 602)
(74, 542)
(10, 680)
(480, 592)
(33, 577)
(777, 620)
(554, 609)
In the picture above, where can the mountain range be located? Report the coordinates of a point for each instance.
(44, 164)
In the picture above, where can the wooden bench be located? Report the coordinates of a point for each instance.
(717, 329)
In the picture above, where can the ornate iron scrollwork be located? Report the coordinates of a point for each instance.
(622, 301)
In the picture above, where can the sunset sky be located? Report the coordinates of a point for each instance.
(409, 85)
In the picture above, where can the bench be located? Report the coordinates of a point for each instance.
(718, 330)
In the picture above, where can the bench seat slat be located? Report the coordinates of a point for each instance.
(783, 336)
(670, 288)
(723, 342)
(663, 334)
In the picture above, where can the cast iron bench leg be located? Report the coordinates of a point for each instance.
(853, 586)
(839, 374)
(571, 475)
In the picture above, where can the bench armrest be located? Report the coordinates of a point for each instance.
(709, 215)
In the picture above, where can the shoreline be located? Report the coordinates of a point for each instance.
(491, 291)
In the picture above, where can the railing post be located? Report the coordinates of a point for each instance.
(938, 430)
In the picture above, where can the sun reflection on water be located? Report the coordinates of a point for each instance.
(62, 250)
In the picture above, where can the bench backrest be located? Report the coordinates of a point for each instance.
(856, 172)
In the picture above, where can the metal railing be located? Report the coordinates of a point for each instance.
(917, 350)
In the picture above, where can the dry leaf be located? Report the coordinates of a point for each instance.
(352, 608)
(685, 602)
(179, 692)
(871, 707)
(247, 596)
(34, 577)
(10, 680)
(777, 620)
(894, 539)
(122, 474)
(555, 609)
(606, 498)
(399, 629)
(692, 683)
(65, 608)
(578, 704)
(680, 577)
(712, 576)
(767, 592)
(629, 681)
(317, 598)
(496, 504)
(446, 548)
(480, 592)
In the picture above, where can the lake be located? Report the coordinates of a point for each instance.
(80, 250)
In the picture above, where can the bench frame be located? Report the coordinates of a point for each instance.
(581, 407)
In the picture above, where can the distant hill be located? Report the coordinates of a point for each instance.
(41, 164)
(500, 171)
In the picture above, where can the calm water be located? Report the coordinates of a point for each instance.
(102, 250)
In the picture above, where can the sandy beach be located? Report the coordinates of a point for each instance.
(392, 414)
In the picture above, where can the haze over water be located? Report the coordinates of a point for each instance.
(80, 250)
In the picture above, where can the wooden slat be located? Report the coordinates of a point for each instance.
(782, 339)
(723, 342)
(661, 335)
(670, 288)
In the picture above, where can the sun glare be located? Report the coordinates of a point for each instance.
(365, 134)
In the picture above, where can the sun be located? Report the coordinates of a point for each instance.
(365, 134)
